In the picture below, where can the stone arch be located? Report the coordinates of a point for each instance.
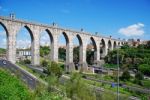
(30, 32)
(7, 36)
(64, 50)
(94, 43)
(118, 43)
(66, 37)
(91, 52)
(78, 50)
(80, 40)
(50, 35)
(43, 45)
(102, 48)
(115, 44)
(109, 46)
(4, 26)
(29, 50)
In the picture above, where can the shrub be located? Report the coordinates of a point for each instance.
(53, 68)
(77, 89)
(27, 61)
(139, 76)
(145, 69)
(44, 63)
(125, 75)
(42, 93)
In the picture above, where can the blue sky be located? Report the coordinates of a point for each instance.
(118, 18)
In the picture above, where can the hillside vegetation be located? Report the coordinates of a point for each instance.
(133, 58)
(12, 88)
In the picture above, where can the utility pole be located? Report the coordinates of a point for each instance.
(118, 72)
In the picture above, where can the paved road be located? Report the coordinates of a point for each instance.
(27, 77)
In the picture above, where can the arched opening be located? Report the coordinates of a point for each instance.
(24, 48)
(118, 43)
(91, 51)
(46, 39)
(109, 46)
(77, 45)
(102, 49)
(63, 42)
(115, 45)
(3, 41)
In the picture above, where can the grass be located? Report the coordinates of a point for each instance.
(108, 90)
(146, 83)
(12, 88)
(39, 76)
(107, 87)
(110, 65)
(123, 91)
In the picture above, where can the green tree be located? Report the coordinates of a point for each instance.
(53, 68)
(62, 53)
(125, 75)
(145, 69)
(27, 61)
(125, 46)
(111, 58)
(44, 51)
(44, 63)
(146, 61)
(76, 54)
(148, 45)
(2, 51)
(138, 77)
(90, 57)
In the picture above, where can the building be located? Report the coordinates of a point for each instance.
(23, 54)
(134, 42)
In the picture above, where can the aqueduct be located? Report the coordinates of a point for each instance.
(101, 44)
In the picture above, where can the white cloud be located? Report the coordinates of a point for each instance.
(23, 43)
(44, 39)
(133, 30)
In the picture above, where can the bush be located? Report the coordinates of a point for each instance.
(42, 93)
(27, 61)
(125, 75)
(77, 89)
(44, 50)
(53, 68)
(138, 77)
(145, 69)
(44, 63)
